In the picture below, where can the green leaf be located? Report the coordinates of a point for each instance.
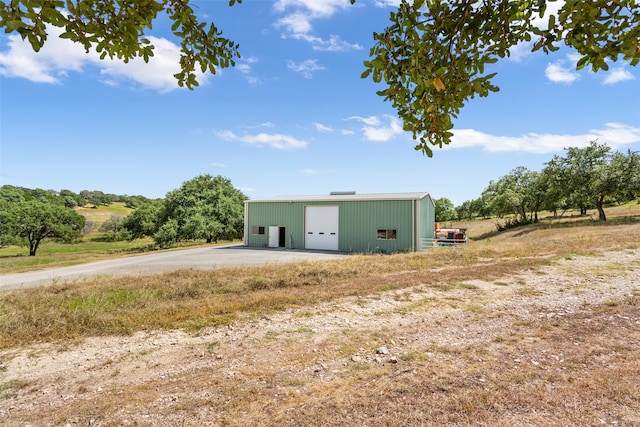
(582, 62)
(15, 25)
(552, 21)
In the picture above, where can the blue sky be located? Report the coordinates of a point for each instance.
(292, 118)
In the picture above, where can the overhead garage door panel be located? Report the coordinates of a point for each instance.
(321, 227)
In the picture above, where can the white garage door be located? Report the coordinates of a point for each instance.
(321, 227)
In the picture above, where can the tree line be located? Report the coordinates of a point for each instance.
(210, 208)
(592, 177)
(204, 208)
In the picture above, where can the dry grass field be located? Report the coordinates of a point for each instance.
(536, 326)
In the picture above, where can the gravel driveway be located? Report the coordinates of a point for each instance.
(200, 259)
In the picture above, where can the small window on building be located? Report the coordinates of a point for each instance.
(257, 229)
(387, 234)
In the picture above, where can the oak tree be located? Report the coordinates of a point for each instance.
(445, 210)
(591, 175)
(35, 220)
(206, 207)
(433, 56)
(518, 193)
(118, 28)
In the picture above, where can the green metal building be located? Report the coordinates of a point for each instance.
(342, 221)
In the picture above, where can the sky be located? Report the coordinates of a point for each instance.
(293, 117)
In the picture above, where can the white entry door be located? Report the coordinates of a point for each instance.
(321, 227)
(274, 236)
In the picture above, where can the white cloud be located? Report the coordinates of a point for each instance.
(246, 190)
(55, 59)
(306, 68)
(559, 73)
(520, 51)
(298, 22)
(380, 129)
(227, 134)
(262, 125)
(218, 165)
(59, 56)
(315, 8)
(552, 8)
(613, 134)
(371, 120)
(276, 140)
(316, 171)
(244, 65)
(617, 75)
(157, 74)
(243, 68)
(322, 128)
(309, 171)
(386, 3)
(334, 44)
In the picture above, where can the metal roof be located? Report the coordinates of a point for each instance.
(338, 196)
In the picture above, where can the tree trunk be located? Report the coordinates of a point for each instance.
(33, 247)
(601, 215)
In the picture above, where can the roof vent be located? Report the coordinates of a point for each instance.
(342, 193)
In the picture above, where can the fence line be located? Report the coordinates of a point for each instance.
(428, 242)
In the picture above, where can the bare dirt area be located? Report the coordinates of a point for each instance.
(553, 346)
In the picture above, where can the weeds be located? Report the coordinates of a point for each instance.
(9, 390)
(580, 368)
(196, 299)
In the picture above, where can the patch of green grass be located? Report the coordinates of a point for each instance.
(385, 288)
(475, 308)
(256, 283)
(419, 306)
(529, 292)
(414, 356)
(272, 334)
(14, 259)
(444, 287)
(403, 389)
(522, 322)
(9, 390)
(468, 286)
(211, 346)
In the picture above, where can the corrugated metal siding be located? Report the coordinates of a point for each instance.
(289, 215)
(427, 218)
(359, 223)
